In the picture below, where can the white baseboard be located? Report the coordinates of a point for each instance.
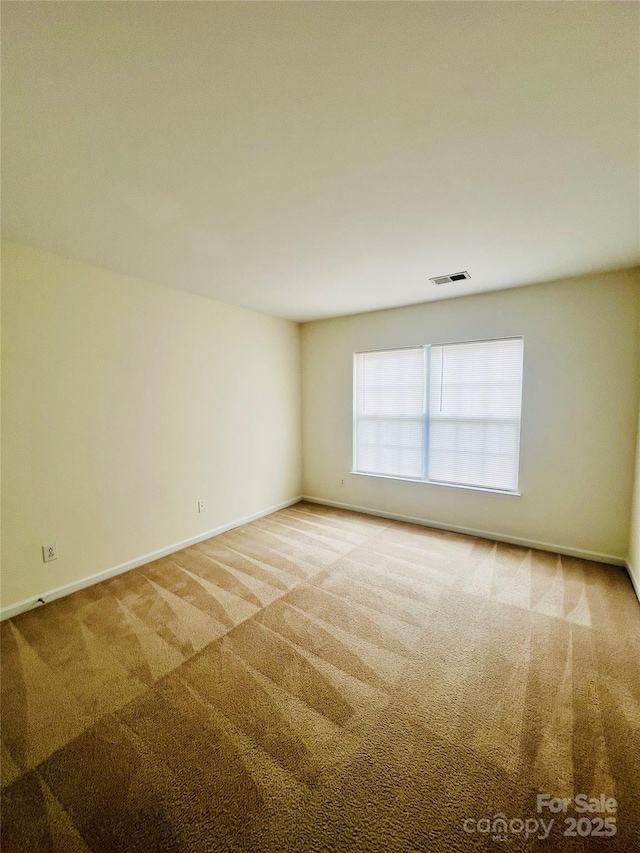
(484, 534)
(634, 583)
(59, 592)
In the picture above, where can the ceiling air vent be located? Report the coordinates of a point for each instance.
(446, 279)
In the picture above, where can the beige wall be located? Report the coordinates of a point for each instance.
(633, 560)
(579, 413)
(124, 404)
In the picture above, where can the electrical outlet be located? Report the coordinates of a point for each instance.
(49, 552)
(200, 506)
(342, 483)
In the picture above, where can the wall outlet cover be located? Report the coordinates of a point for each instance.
(49, 552)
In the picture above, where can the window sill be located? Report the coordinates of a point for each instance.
(436, 483)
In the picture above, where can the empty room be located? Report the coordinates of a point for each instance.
(320, 427)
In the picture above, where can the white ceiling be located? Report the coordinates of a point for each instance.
(316, 159)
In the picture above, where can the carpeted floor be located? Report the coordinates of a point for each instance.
(318, 681)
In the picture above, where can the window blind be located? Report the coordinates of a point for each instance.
(443, 414)
(390, 393)
(474, 413)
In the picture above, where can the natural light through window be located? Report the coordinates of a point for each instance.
(446, 414)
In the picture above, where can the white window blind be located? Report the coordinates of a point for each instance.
(474, 413)
(442, 414)
(389, 412)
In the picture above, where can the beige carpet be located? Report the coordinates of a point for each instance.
(317, 681)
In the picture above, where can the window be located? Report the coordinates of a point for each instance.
(445, 414)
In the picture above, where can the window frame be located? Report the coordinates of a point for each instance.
(424, 480)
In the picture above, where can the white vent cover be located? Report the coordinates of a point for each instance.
(447, 279)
